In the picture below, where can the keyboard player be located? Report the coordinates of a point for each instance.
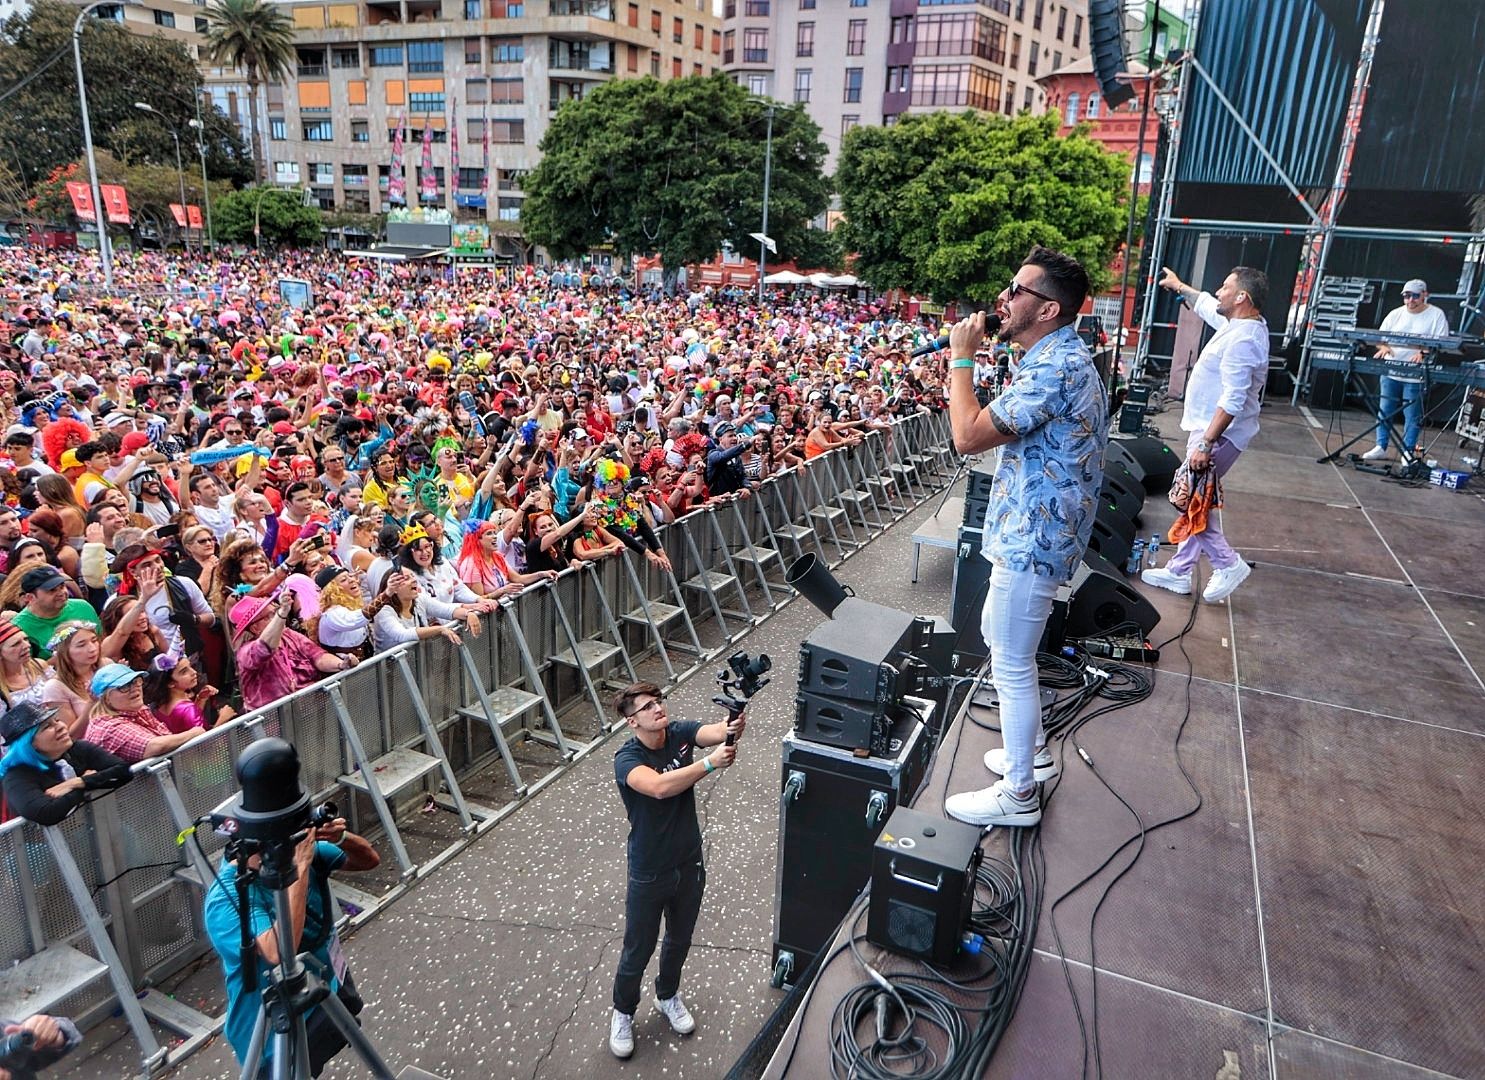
(1419, 318)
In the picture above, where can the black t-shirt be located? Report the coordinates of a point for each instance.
(663, 833)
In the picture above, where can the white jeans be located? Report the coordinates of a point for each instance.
(1012, 624)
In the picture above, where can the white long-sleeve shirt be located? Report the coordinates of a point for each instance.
(1228, 375)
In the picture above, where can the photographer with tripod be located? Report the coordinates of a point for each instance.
(657, 773)
(324, 849)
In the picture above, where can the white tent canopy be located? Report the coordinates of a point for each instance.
(786, 277)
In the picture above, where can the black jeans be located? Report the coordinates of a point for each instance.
(677, 895)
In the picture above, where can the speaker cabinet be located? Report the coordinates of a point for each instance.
(1101, 601)
(922, 885)
(1152, 463)
(1122, 494)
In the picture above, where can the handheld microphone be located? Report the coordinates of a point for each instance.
(938, 344)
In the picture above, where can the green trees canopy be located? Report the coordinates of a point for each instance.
(283, 215)
(946, 205)
(151, 190)
(41, 127)
(674, 169)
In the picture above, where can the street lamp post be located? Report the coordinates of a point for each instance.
(180, 172)
(211, 240)
(105, 255)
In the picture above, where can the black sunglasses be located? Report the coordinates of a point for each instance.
(1412, 295)
(1016, 288)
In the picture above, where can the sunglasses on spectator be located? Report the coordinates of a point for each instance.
(1412, 295)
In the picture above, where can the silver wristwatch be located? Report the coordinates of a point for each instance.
(1203, 447)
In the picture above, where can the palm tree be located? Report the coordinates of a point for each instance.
(258, 38)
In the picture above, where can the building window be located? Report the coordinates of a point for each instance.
(802, 80)
(507, 50)
(853, 85)
(756, 8)
(1015, 52)
(902, 30)
(471, 178)
(758, 85)
(729, 9)
(1093, 106)
(474, 52)
(956, 85)
(899, 79)
(847, 123)
(755, 46)
(1036, 18)
(201, 25)
(1057, 60)
(354, 175)
(806, 5)
(961, 34)
(474, 9)
(507, 91)
(508, 209)
(425, 56)
(1147, 168)
(476, 91)
(1070, 111)
(858, 3)
(1031, 58)
(346, 59)
(1030, 97)
(278, 130)
(804, 39)
(675, 67)
(111, 12)
(678, 31)
(425, 102)
(1062, 23)
(1020, 10)
(634, 16)
(654, 64)
(386, 56)
(164, 18)
(507, 131)
(322, 172)
(856, 37)
(507, 9)
(360, 131)
(729, 46)
(698, 34)
(1077, 31)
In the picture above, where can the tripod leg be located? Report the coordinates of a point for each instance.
(255, 1046)
(346, 1024)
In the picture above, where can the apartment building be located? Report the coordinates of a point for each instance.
(870, 61)
(456, 68)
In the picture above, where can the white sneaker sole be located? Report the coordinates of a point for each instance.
(1178, 587)
(995, 762)
(679, 1030)
(1212, 596)
(1022, 818)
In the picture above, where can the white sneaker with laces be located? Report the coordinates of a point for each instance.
(1162, 578)
(1376, 453)
(621, 1034)
(1043, 764)
(674, 1010)
(994, 805)
(1225, 581)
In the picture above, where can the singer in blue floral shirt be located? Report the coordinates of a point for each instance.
(1051, 427)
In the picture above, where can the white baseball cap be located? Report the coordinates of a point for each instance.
(1417, 285)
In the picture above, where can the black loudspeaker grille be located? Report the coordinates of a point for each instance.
(910, 928)
(1106, 39)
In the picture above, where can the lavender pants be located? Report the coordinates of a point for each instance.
(1210, 542)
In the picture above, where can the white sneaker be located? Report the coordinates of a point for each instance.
(1224, 582)
(1043, 764)
(621, 1034)
(1376, 453)
(674, 1010)
(994, 805)
(1162, 578)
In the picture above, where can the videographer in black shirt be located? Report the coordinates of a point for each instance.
(657, 772)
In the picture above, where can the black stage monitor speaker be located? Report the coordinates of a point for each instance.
(1123, 495)
(1106, 39)
(1148, 459)
(922, 885)
(862, 727)
(834, 804)
(1101, 602)
(1109, 540)
(859, 655)
(967, 594)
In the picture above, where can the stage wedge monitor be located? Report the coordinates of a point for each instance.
(1106, 39)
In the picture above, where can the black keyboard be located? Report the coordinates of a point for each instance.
(1452, 374)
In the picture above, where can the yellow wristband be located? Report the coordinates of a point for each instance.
(961, 362)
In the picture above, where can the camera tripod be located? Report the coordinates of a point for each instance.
(294, 986)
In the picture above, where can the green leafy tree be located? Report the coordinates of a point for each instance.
(947, 204)
(673, 169)
(284, 217)
(41, 127)
(257, 38)
(151, 190)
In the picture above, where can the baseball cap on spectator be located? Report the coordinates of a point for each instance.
(113, 677)
(135, 440)
(42, 578)
(723, 429)
(117, 419)
(329, 574)
(283, 427)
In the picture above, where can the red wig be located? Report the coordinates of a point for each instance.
(56, 438)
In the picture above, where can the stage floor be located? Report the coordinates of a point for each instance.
(1321, 916)
(1323, 913)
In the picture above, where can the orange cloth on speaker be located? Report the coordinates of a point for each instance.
(1206, 496)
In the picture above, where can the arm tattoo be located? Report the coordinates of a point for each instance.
(1001, 426)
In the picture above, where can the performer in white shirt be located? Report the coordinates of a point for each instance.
(1417, 318)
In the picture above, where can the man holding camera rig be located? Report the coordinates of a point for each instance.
(325, 849)
(51, 1039)
(657, 772)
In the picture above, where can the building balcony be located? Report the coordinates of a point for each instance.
(602, 10)
(311, 71)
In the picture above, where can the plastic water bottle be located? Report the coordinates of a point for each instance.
(1152, 551)
(1136, 557)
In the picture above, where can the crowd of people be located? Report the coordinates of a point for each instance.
(202, 487)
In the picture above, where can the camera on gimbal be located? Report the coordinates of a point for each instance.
(746, 679)
(272, 813)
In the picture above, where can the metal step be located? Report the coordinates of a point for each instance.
(797, 533)
(758, 556)
(590, 654)
(38, 984)
(393, 773)
(508, 703)
(661, 613)
(827, 513)
(718, 581)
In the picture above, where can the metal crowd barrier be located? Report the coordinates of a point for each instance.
(107, 905)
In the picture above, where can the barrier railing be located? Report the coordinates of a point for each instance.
(109, 902)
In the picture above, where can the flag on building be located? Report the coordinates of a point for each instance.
(428, 181)
(397, 182)
(453, 150)
(485, 175)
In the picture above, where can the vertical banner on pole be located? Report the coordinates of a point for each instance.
(453, 184)
(82, 200)
(397, 181)
(116, 203)
(193, 217)
(428, 181)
